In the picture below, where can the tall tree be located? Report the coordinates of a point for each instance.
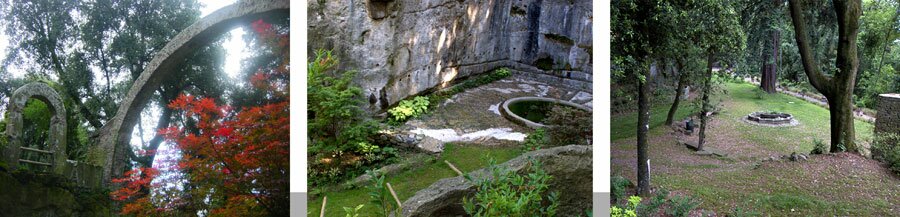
(721, 38)
(639, 35)
(837, 87)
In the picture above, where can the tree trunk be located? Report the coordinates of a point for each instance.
(843, 131)
(643, 161)
(838, 88)
(679, 90)
(705, 107)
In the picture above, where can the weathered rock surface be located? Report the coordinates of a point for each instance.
(888, 118)
(570, 167)
(405, 47)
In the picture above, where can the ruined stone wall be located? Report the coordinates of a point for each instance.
(888, 118)
(402, 48)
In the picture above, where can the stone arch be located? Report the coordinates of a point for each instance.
(113, 137)
(57, 132)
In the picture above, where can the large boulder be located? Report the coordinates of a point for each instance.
(570, 167)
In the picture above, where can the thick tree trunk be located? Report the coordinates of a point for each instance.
(643, 161)
(843, 131)
(705, 107)
(679, 90)
(838, 88)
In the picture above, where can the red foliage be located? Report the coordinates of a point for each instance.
(241, 156)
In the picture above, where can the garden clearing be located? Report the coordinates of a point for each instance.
(843, 184)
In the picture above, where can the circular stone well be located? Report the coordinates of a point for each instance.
(531, 111)
(775, 119)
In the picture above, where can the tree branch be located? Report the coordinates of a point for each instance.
(810, 66)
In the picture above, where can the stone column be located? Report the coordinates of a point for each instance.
(888, 118)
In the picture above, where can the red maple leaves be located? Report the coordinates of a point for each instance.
(239, 155)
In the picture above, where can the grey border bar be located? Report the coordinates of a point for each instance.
(601, 204)
(298, 203)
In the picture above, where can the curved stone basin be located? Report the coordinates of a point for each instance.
(516, 110)
(772, 118)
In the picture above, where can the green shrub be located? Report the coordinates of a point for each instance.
(379, 195)
(886, 148)
(619, 184)
(569, 126)
(535, 140)
(680, 206)
(340, 143)
(628, 210)
(819, 147)
(652, 208)
(410, 108)
(511, 194)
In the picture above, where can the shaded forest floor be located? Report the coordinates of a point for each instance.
(825, 185)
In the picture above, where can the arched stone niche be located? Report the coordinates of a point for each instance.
(57, 133)
(114, 136)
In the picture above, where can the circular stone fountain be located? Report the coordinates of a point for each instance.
(775, 119)
(531, 111)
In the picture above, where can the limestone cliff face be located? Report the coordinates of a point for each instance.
(403, 48)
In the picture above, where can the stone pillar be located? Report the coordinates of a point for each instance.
(888, 118)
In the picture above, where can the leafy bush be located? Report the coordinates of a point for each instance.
(511, 194)
(569, 126)
(819, 147)
(629, 210)
(886, 148)
(409, 109)
(680, 206)
(379, 195)
(340, 143)
(652, 208)
(619, 184)
(535, 140)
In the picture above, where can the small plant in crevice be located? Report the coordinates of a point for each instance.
(511, 194)
(535, 140)
(819, 147)
(410, 108)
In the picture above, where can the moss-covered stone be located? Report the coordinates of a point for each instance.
(24, 193)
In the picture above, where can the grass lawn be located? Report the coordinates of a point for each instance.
(465, 157)
(625, 126)
(825, 185)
